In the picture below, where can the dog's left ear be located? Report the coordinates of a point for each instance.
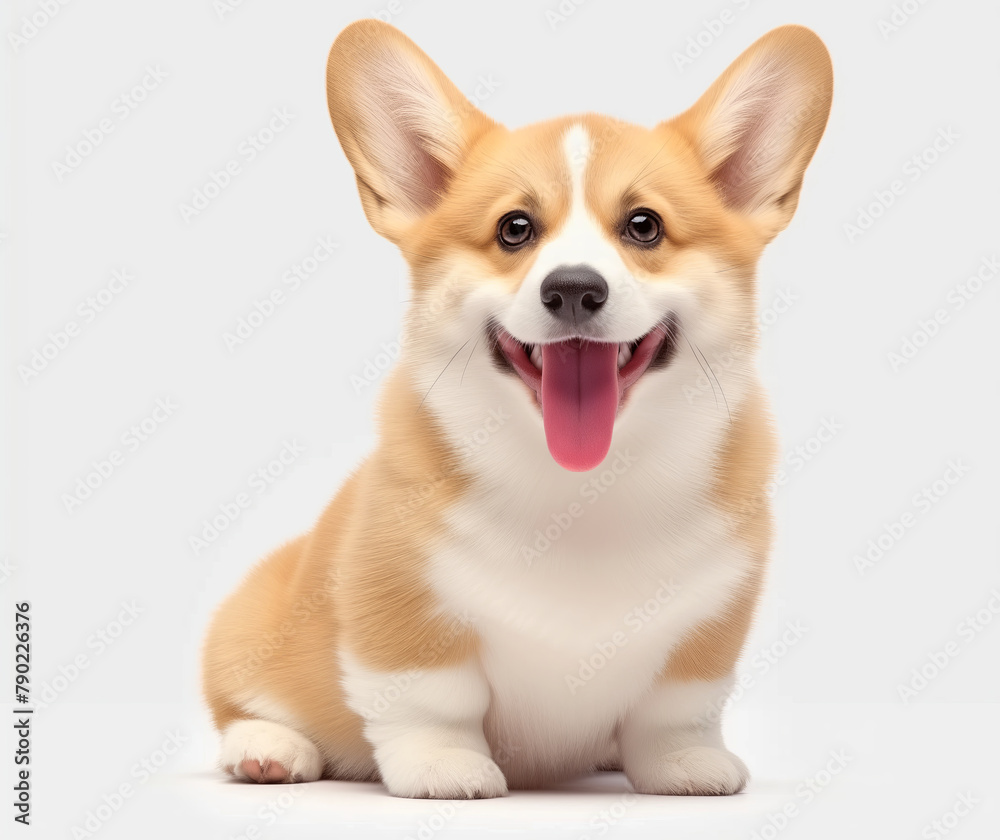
(757, 126)
(403, 125)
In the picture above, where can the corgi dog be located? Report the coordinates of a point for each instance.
(550, 562)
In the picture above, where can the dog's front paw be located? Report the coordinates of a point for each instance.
(445, 774)
(692, 771)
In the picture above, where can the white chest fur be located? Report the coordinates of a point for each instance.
(576, 620)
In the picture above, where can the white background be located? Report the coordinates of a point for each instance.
(854, 300)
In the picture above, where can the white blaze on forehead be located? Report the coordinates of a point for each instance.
(576, 147)
(580, 240)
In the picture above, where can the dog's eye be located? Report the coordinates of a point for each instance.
(514, 230)
(644, 227)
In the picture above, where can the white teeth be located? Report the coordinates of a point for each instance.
(624, 355)
(536, 356)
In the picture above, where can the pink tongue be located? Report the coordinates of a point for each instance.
(579, 398)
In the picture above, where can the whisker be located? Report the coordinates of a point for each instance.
(698, 360)
(472, 353)
(707, 362)
(436, 378)
(642, 171)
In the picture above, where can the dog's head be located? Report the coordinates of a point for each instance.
(583, 271)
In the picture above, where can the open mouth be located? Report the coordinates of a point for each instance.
(580, 385)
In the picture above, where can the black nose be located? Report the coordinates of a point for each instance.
(573, 293)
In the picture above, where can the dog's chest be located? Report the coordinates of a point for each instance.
(576, 611)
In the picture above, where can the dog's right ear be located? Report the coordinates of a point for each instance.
(403, 125)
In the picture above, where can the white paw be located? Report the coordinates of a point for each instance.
(453, 773)
(261, 751)
(692, 771)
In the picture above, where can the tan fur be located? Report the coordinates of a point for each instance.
(356, 581)
(745, 465)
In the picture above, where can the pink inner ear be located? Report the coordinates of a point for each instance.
(407, 131)
(427, 179)
(739, 178)
(759, 119)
